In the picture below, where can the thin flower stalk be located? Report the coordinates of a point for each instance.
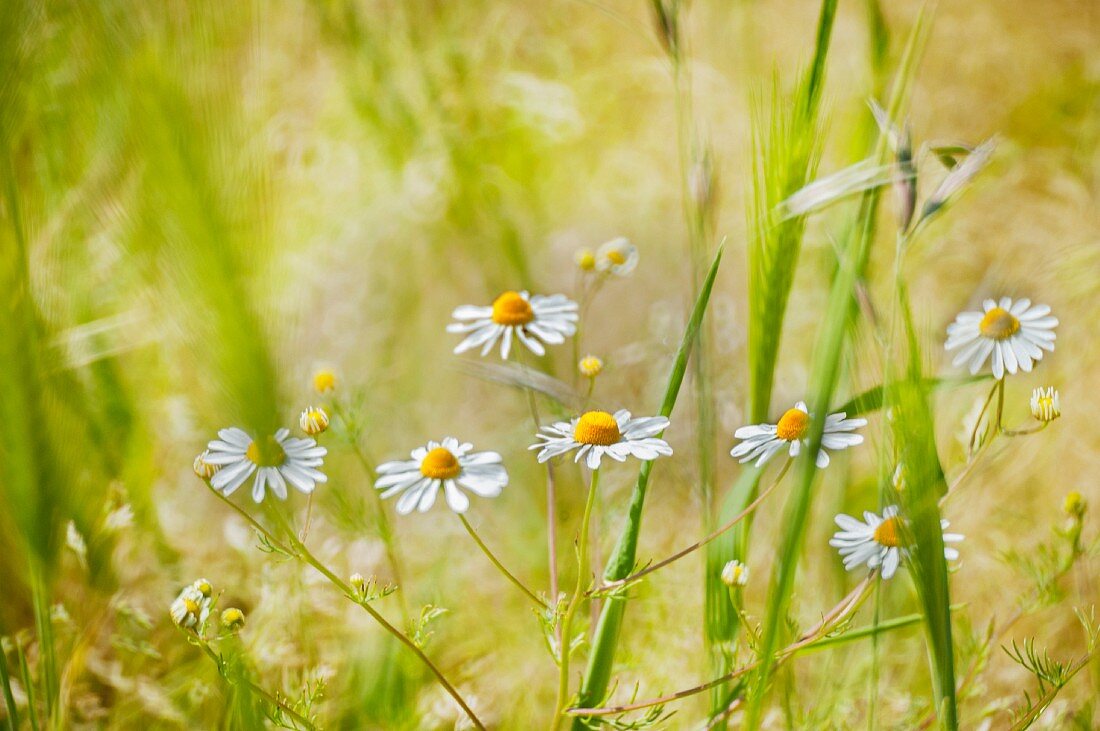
(565, 645)
(382, 518)
(500, 567)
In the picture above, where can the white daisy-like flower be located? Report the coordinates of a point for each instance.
(617, 256)
(1014, 332)
(549, 319)
(877, 542)
(192, 606)
(763, 441)
(446, 465)
(276, 461)
(597, 433)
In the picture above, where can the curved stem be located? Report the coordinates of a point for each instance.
(564, 646)
(250, 520)
(699, 544)
(496, 562)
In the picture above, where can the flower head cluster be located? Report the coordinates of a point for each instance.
(763, 441)
(878, 542)
(596, 433)
(1011, 333)
(192, 607)
(449, 466)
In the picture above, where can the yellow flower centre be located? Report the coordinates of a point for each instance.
(591, 366)
(597, 427)
(324, 381)
(586, 260)
(512, 309)
(268, 453)
(999, 324)
(204, 588)
(440, 464)
(792, 425)
(616, 257)
(887, 534)
(190, 606)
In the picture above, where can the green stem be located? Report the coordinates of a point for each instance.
(565, 647)
(9, 697)
(28, 687)
(382, 518)
(496, 562)
(597, 675)
(44, 628)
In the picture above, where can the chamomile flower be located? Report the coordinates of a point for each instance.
(597, 433)
(763, 441)
(878, 542)
(617, 256)
(275, 460)
(533, 320)
(192, 607)
(1013, 332)
(446, 465)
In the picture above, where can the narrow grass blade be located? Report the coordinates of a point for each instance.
(597, 675)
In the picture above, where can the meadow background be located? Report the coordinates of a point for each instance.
(203, 203)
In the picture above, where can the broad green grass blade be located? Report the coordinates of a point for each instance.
(787, 147)
(854, 255)
(597, 674)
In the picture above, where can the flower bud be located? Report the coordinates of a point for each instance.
(232, 619)
(313, 420)
(590, 366)
(324, 381)
(735, 573)
(1044, 404)
(585, 259)
(203, 469)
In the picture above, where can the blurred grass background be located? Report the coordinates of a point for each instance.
(204, 202)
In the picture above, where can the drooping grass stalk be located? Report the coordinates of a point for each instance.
(699, 544)
(854, 253)
(500, 567)
(583, 571)
(621, 563)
